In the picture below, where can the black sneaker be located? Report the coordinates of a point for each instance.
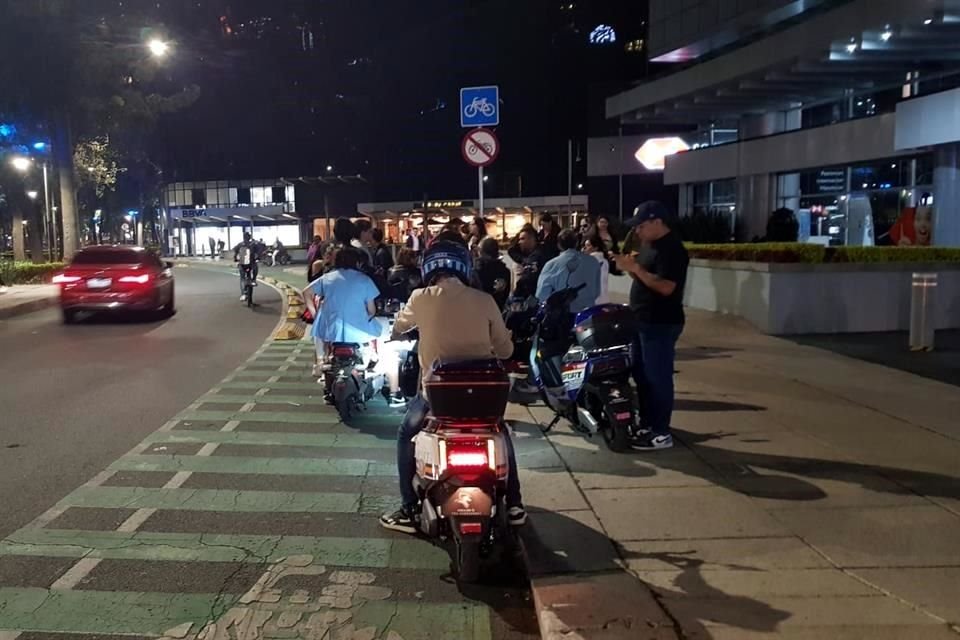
(652, 442)
(399, 520)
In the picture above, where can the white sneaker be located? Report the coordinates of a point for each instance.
(522, 386)
(243, 298)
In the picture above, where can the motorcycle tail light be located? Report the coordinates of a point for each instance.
(471, 528)
(344, 352)
(472, 458)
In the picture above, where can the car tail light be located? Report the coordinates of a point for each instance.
(143, 278)
(471, 528)
(344, 352)
(62, 278)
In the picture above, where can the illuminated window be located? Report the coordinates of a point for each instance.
(603, 34)
(634, 46)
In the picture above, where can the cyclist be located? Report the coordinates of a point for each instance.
(448, 301)
(247, 255)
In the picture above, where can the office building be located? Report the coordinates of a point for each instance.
(846, 112)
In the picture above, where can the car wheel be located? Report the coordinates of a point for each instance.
(170, 308)
(69, 316)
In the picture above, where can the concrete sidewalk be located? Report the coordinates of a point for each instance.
(25, 298)
(810, 496)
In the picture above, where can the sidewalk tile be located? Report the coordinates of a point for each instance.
(676, 513)
(696, 582)
(878, 537)
(699, 617)
(935, 589)
(762, 554)
(551, 490)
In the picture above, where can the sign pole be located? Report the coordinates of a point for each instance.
(480, 175)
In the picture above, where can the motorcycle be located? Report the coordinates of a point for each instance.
(582, 365)
(248, 281)
(350, 383)
(461, 462)
(276, 257)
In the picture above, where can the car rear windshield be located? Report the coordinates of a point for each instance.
(109, 257)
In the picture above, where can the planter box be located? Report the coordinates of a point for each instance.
(790, 299)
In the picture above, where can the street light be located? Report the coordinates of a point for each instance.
(32, 195)
(158, 48)
(21, 164)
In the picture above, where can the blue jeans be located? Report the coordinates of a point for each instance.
(654, 353)
(413, 423)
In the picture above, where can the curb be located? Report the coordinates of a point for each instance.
(29, 306)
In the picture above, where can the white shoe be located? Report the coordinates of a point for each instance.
(243, 298)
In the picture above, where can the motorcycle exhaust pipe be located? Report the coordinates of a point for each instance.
(587, 420)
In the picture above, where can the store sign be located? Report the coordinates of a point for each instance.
(194, 213)
(831, 181)
(443, 204)
(653, 153)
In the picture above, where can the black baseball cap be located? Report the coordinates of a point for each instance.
(650, 210)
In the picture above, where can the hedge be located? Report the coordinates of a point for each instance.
(817, 254)
(28, 272)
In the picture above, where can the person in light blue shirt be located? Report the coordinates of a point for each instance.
(571, 269)
(348, 306)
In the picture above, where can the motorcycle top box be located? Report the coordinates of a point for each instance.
(473, 391)
(605, 327)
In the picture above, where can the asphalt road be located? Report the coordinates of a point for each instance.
(73, 399)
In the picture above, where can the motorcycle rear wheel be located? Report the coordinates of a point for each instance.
(615, 434)
(468, 561)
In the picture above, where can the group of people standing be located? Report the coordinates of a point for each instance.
(442, 284)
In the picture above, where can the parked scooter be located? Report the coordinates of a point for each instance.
(582, 365)
(461, 460)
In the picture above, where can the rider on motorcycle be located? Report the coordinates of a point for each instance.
(247, 254)
(448, 301)
(347, 311)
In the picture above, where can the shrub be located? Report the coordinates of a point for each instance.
(28, 272)
(760, 252)
(705, 227)
(784, 252)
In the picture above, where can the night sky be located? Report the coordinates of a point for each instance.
(371, 87)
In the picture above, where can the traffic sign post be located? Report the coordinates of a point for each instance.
(480, 148)
(479, 107)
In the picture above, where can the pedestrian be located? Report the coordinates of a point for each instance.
(548, 235)
(529, 258)
(220, 247)
(568, 270)
(312, 252)
(363, 238)
(382, 258)
(404, 277)
(659, 275)
(477, 233)
(593, 246)
(213, 247)
(493, 275)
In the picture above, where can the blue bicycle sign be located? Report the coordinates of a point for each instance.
(479, 107)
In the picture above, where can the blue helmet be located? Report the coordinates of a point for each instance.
(447, 258)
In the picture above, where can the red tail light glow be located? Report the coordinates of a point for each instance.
(466, 458)
(62, 278)
(143, 278)
(471, 528)
(344, 352)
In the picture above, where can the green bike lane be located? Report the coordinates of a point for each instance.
(250, 514)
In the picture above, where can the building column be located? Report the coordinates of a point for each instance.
(755, 203)
(946, 196)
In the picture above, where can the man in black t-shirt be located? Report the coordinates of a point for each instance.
(494, 276)
(659, 275)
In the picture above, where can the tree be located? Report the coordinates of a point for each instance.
(77, 67)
